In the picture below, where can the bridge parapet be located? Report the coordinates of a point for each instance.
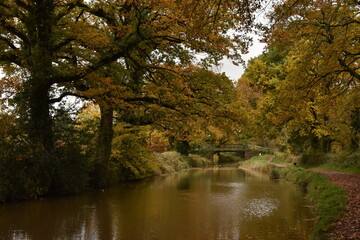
(232, 148)
(236, 147)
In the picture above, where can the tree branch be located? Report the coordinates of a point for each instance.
(8, 42)
(10, 57)
(152, 100)
(349, 70)
(14, 31)
(65, 94)
(62, 44)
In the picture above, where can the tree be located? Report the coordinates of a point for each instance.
(324, 40)
(56, 44)
(188, 104)
(307, 80)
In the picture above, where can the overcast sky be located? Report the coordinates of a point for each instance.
(234, 72)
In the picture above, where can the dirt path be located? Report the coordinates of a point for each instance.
(275, 164)
(348, 226)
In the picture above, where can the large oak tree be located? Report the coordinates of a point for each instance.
(58, 43)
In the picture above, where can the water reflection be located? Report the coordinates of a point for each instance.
(210, 204)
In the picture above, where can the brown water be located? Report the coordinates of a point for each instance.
(197, 204)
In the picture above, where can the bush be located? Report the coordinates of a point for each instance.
(27, 171)
(158, 142)
(312, 159)
(131, 159)
(41, 173)
(343, 161)
(198, 161)
(24, 179)
(24, 170)
(70, 171)
(169, 162)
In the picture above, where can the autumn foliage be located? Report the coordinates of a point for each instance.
(91, 89)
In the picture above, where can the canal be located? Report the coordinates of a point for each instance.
(196, 204)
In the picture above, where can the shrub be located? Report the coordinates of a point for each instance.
(70, 171)
(158, 142)
(343, 161)
(25, 171)
(130, 157)
(312, 159)
(168, 162)
(198, 161)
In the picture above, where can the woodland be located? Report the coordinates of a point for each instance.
(98, 92)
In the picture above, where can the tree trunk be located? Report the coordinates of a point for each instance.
(105, 134)
(314, 143)
(40, 130)
(38, 86)
(102, 175)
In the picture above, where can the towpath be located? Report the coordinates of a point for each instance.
(348, 226)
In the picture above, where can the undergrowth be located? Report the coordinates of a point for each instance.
(343, 161)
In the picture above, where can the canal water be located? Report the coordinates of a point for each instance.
(196, 204)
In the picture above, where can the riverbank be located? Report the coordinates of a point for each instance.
(18, 183)
(348, 226)
(329, 200)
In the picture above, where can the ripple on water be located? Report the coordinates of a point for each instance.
(261, 207)
(231, 185)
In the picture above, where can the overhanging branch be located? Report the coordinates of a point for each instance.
(348, 69)
(65, 94)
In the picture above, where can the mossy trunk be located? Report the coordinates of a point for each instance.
(105, 134)
(40, 124)
(102, 176)
(37, 88)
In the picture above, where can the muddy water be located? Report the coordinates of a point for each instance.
(210, 204)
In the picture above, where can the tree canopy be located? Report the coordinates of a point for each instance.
(56, 44)
(308, 79)
(136, 60)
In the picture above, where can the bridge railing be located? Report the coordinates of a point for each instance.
(236, 147)
(232, 148)
(242, 147)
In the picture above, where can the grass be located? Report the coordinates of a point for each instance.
(169, 162)
(342, 162)
(198, 161)
(329, 200)
(259, 163)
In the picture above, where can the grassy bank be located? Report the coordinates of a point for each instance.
(329, 200)
(172, 161)
(341, 162)
(71, 173)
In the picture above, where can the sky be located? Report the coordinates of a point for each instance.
(234, 72)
